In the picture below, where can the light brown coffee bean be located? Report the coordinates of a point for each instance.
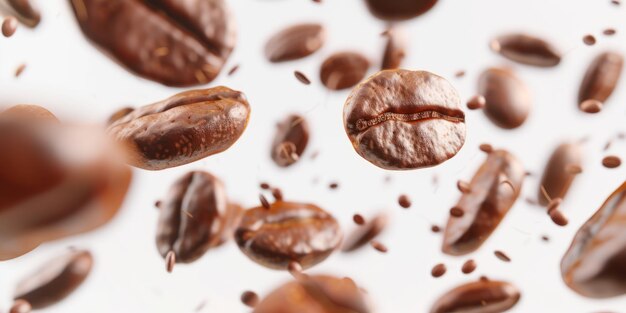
(485, 296)
(600, 80)
(343, 70)
(508, 100)
(526, 49)
(295, 42)
(290, 141)
(557, 176)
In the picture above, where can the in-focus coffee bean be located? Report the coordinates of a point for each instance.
(290, 141)
(601, 78)
(343, 70)
(288, 232)
(526, 49)
(400, 120)
(295, 42)
(485, 296)
(595, 264)
(23, 10)
(184, 128)
(493, 191)
(176, 43)
(399, 9)
(395, 50)
(366, 233)
(557, 179)
(508, 100)
(56, 280)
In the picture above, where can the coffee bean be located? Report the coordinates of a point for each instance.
(170, 261)
(20, 306)
(277, 194)
(589, 40)
(56, 280)
(488, 296)
(558, 218)
(502, 256)
(343, 70)
(404, 201)
(399, 9)
(558, 174)
(167, 41)
(287, 232)
(435, 228)
(302, 78)
(438, 270)
(119, 114)
(57, 181)
(195, 216)
(29, 112)
(394, 120)
(264, 202)
(315, 294)
(468, 267)
(545, 238)
(295, 42)
(20, 69)
(358, 219)
(476, 102)
(249, 298)
(395, 50)
(264, 186)
(379, 246)
(594, 264)
(526, 49)
(609, 31)
(233, 70)
(487, 204)
(290, 141)
(456, 212)
(485, 147)
(366, 233)
(23, 10)
(9, 26)
(507, 98)
(184, 128)
(600, 80)
(463, 186)
(611, 161)
(333, 186)
(459, 74)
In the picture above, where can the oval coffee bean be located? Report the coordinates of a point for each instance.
(23, 10)
(176, 43)
(526, 49)
(29, 112)
(395, 50)
(484, 296)
(288, 232)
(557, 176)
(295, 42)
(399, 9)
(9, 26)
(366, 233)
(493, 191)
(184, 128)
(595, 264)
(400, 120)
(507, 98)
(195, 216)
(343, 70)
(57, 181)
(56, 280)
(315, 294)
(294, 130)
(601, 77)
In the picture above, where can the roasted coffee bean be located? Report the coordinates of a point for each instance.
(556, 179)
(397, 119)
(438, 270)
(476, 102)
(23, 10)
(56, 280)
(358, 219)
(595, 264)
(526, 49)
(290, 141)
(507, 98)
(456, 212)
(484, 296)
(295, 42)
(589, 40)
(486, 204)
(249, 298)
(395, 50)
(287, 232)
(176, 43)
(29, 112)
(611, 161)
(119, 114)
(399, 9)
(404, 201)
(558, 218)
(55, 181)
(195, 216)
(502, 256)
(315, 294)
(9, 26)
(186, 127)
(302, 78)
(366, 233)
(601, 78)
(609, 32)
(468, 267)
(379, 246)
(343, 70)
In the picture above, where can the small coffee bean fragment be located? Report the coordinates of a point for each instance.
(302, 78)
(170, 261)
(395, 50)
(249, 298)
(545, 238)
(463, 186)
(558, 218)
(435, 228)
(295, 42)
(476, 102)
(591, 106)
(264, 201)
(456, 212)
(379, 246)
(616, 2)
(404, 201)
(609, 31)
(438, 270)
(20, 69)
(468, 267)
(589, 40)
(459, 73)
(333, 185)
(233, 70)
(9, 26)
(20, 306)
(502, 256)
(264, 186)
(358, 219)
(611, 161)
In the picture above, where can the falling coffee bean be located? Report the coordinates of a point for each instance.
(502, 256)
(287, 232)
(485, 296)
(9, 26)
(184, 128)
(358, 219)
(395, 50)
(290, 141)
(295, 42)
(595, 264)
(438, 270)
(404, 201)
(395, 10)
(249, 298)
(600, 79)
(611, 161)
(379, 246)
(609, 31)
(486, 205)
(302, 78)
(508, 100)
(343, 70)
(468, 267)
(395, 120)
(589, 40)
(557, 177)
(456, 212)
(20, 69)
(558, 218)
(463, 186)
(56, 280)
(526, 49)
(476, 102)
(486, 148)
(366, 233)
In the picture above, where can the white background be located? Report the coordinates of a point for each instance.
(66, 74)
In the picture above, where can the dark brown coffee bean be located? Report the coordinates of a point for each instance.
(186, 127)
(249, 298)
(399, 9)
(288, 232)
(20, 306)
(435, 228)
(23, 10)
(343, 70)
(463, 186)
(468, 267)
(56, 280)
(366, 233)
(264, 186)
(486, 205)
(119, 114)
(456, 212)
(611, 161)
(333, 186)
(488, 296)
(527, 49)
(302, 78)
(438, 270)
(404, 201)
(358, 219)
(380, 247)
(601, 78)
(29, 112)
(557, 175)
(315, 294)
(609, 31)
(9, 26)
(502, 256)
(176, 43)
(295, 42)
(476, 102)
(395, 50)
(170, 261)
(57, 181)
(290, 141)
(594, 265)
(195, 216)
(507, 98)
(557, 217)
(589, 40)
(395, 118)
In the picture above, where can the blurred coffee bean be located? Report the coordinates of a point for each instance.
(23, 10)
(399, 9)
(362, 235)
(508, 100)
(295, 130)
(484, 296)
(557, 177)
(9, 26)
(343, 70)
(29, 112)
(601, 78)
(395, 50)
(526, 49)
(295, 42)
